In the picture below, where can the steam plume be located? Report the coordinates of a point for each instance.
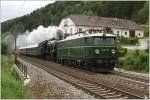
(38, 35)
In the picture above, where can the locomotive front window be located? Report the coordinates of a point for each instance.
(104, 41)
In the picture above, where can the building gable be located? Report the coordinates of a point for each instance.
(66, 22)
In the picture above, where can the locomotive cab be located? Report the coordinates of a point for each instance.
(101, 52)
(93, 51)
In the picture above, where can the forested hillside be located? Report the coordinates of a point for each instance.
(53, 13)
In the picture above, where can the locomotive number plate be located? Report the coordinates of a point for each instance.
(105, 50)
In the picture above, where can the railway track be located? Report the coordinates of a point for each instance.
(133, 86)
(83, 80)
(131, 76)
(139, 82)
(143, 83)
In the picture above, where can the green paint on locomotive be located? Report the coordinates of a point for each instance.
(95, 47)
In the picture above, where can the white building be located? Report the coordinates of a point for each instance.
(122, 27)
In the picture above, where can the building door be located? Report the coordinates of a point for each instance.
(132, 33)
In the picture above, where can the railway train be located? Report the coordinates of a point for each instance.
(96, 52)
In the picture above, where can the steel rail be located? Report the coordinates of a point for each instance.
(124, 93)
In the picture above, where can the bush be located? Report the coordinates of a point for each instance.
(122, 52)
(146, 31)
(4, 48)
(12, 87)
(130, 40)
(136, 61)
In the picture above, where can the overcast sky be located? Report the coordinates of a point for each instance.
(12, 9)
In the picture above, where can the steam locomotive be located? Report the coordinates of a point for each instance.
(96, 52)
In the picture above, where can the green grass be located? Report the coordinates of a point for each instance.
(136, 61)
(11, 86)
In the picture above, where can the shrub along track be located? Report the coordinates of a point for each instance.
(100, 85)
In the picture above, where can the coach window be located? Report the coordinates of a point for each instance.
(64, 45)
(77, 43)
(81, 41)
(85, 40)
(89, 40)
(74, 44)
(61, 45)
(68, 43)
(71, 43)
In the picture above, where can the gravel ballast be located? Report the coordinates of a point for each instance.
(45, 85)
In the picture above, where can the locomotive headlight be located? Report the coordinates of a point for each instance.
(96, 51)
(113, 51)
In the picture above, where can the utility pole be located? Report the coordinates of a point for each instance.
(15, 51)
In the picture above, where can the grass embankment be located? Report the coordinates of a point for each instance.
(146, 31)
(12, 86)
(135, 61)
(128, 41)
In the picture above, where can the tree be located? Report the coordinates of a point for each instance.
(89, 12)
(53, 13)
(4, 48)
(143, 14)
(20, 28)
(108, 30)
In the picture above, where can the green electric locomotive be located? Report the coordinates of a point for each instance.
(97, 52)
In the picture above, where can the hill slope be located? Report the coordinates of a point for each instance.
(53, 13)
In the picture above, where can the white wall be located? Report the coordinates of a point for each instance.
(125, 33)
(95, 27)
(84, 28)
(122, 32)
(139, 33)
(70, 25)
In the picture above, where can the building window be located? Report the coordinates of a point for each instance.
(65, 22)
(80, 29)
(71, 30)
(117, 33)
(125, 33)
(139, 34)
(65, 31)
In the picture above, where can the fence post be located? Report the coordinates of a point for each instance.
(26, 72)
(22, 68)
